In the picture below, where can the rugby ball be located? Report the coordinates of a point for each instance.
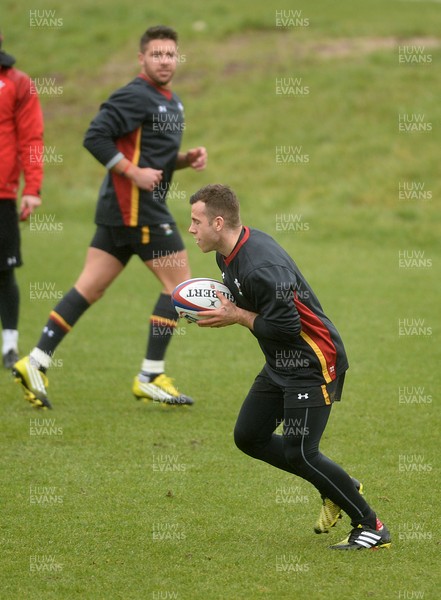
(194, 295)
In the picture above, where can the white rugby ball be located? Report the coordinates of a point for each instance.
(198, 294)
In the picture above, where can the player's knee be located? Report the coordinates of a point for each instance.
(95, 296)
(243, 440)
(91, 295)
(301, 459)
(296, 458)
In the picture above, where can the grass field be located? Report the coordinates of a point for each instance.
(107, 498)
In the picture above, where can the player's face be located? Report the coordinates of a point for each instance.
(206, 234)
(159, 60)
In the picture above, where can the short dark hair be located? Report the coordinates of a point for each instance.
(219, 200)
(158, 32)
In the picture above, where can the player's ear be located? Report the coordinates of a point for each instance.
(219, 223)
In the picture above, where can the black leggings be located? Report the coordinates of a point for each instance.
(297, 450)
(9, 299)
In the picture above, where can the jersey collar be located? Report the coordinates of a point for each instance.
(167, 93)
(243, 238)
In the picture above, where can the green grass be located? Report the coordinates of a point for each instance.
(219, 508)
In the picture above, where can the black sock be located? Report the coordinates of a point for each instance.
(61, 320)
(9, 299)
(162, 325)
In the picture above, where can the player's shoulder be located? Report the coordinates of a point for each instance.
(263, 241)
(136, 85)
(262, 251)
(253, 231)
(19, 83)
(16, 76)
(132, 94)
(256, 244)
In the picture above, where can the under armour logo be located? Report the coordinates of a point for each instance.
(302, 396)
(236, 281)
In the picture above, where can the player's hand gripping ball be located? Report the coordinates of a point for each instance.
(195, 295)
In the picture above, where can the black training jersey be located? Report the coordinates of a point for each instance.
(143, 123)
(301, 345)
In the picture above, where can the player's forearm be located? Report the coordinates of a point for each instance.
(126, 168)
(245, 318)
(182, 161)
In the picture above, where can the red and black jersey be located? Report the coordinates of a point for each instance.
(301, 345)
(21, 135)
(143, 123)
